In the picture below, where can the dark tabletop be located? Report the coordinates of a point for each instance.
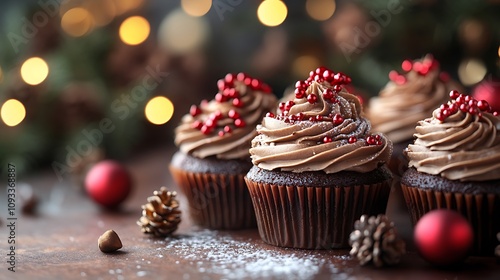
(60, 241)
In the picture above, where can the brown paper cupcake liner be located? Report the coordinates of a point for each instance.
(313, 217)
(216, 201)
(482, 211)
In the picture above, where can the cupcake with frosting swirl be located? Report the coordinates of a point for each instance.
(317, 168)
(454, 163)
(213, 140)
(408, 98)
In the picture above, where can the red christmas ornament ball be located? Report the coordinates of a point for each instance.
(443, 237)
(489, 90)
(108, 183)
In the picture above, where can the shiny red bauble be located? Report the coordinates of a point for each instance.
(489, 90)
(443, 237)
(108, 183)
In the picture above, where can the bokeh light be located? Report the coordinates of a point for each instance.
(498, 51)
(471, 71)
(159, 110)
(181, 33)
(272, 12)
(34, 71)
(302, 64)
(12, 112)
(196, 8)
(134, 30)
(77, 22)
(102, 11)
(320, 9)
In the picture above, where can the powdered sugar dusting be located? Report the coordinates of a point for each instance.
(216, 253)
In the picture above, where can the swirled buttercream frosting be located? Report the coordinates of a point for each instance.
(409, 98)
(321, 129)
(461, 141)
(225, 126)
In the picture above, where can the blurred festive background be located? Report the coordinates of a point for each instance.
(81, 80)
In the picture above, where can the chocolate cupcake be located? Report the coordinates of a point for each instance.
(316, 167)
(213, 158)
(405, 100)
(454, 163)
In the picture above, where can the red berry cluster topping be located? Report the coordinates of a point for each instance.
(464, 103)
(227, 93)
(321, 75)
(374, 139)
(421, 67)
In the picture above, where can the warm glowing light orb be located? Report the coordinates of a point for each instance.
(302, 64)
(134, 30)
(159, 110)
(77, 22)
(12, 112)
(196, 8)
(272, 12)
(320, 9)
(471, 71)
(34, 71)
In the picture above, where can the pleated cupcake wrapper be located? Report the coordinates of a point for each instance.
(482, 211)
(313, 217)
(216, 201)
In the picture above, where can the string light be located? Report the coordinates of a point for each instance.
(159, 110)
(471, 71)
(272, 12)
(134, 30)
(12, 112)
(34, 71)
(77, 22)
(320, 9)
(196, 8)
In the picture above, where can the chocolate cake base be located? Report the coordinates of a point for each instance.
(215, 190)
(314, 210)
(479, 202)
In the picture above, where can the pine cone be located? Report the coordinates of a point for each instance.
(374, 240)
(160, 216)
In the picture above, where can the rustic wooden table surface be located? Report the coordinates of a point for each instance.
(60, 242)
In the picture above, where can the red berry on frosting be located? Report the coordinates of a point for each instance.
(288, 105)
(328, 94)
(370, 140)
(220, 98)
(241, 76)
(301, 85)
(194, 110)
(229, 78)
(237, 103)
(221, 133)
(483, 105)
(440, 116)
(197, 124)
(217, 115)
(205, 129)
(255, 84)
(227, 129)
(318, 118)
(464, 108)
(300, 93)
(406, 65)
(233, 114)
(352, 139)
(239, 123)
(311, 98)
(210, 123)
(222, 85)
(327, 139)
(270, 115)
(337, 119)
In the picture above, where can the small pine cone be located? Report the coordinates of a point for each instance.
(161, 215)
(374, 239)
